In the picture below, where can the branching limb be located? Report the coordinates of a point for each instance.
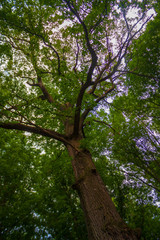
(98, 79)
(53, 49)
(134, 25)
(39, 78)
(26, 29)
(129, 39)
(91, 68)
(36, 130)
(91, 50)
(123, 51)
(13, 44)
(44, 90)
(40, 84)
(87, 111)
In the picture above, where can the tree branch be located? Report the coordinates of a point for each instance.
(135, 73)
(40, 84)
(102, 122)
(44, 90)
(91, 68)
(36, 130)
(40, 131)
(121, 54)
(105, 94)
(77, 54)
(58, 58)
(91, 50)
(136, 177)
(26, 29)
(86, 112)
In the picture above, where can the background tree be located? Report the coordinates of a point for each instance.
(59, 66)
(37, 201)
(139, 121)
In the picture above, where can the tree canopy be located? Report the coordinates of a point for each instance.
(81, 76)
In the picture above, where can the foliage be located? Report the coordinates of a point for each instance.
(138, 126)
(61, 68)
(37, 200)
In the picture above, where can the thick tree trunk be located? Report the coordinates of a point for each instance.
(102, 219)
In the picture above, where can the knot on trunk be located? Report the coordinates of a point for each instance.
(93, 171)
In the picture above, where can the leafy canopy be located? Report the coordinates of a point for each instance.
(73, 62)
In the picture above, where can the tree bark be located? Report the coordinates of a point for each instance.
(102, 219)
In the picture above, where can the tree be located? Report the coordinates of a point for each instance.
(140, 131)
(36, 198)
(37, 201)
(59, 66)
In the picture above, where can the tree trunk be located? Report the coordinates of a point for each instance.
(102, 219)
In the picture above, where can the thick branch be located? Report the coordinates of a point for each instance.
(36, 130)
(40, 84)
(44, 90)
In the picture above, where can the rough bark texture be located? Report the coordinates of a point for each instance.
(102, 219)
